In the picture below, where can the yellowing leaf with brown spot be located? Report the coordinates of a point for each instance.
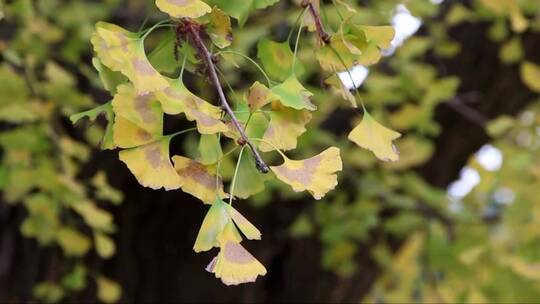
(371, 135)
(198, 180)
(177, 99)
(234, 265)
(285, 126)
(123, 51)
(317, 174)
(138, 118)
(151, 165)
(259, 96)
(183, 8)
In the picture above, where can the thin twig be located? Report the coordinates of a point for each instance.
(193, 30)
(323, 34)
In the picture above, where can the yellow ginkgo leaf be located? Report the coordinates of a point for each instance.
(317, 174)
(183, 8)
(285, 126)
(177, 99)
(198, 180)
(123, 51)
(151, 165)
(234, 265)
(138, 118)
(248, 229)
(259, 96)
(371, 135)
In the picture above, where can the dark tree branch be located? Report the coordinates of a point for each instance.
(193, 31)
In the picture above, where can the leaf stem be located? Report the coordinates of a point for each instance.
(268, 80)
(193, 31)
(271, 144)
(297, 41)
(233, 183)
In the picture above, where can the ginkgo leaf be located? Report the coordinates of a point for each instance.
(381, 36)
(219, 28)
(177, 99)
(138, 118)
(151, 165)
(285, 126)
(108, 138)
(292, 93)
(371, 135)
(198, 180)
(277, 59)
(123, 51)
(248, 229)
(338, 85)
(212, 226)
(110, 79)
(234, 264)
(209, 149)
(183, 8)
(218, 217)
(317, 174)
(259, 96)
(328, 55)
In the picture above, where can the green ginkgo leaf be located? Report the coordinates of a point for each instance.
(371, 135)
(530, 75)
(277, 59)
(106, 109)
(183, 8)
(293, 94)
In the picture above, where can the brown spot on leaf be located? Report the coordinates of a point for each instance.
(142, 106)
(153, 155)
(302, 175)
(235, 253)
(143, 67)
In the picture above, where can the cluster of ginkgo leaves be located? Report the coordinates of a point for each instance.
(272, 116)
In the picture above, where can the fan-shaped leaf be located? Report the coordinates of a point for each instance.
(371, 135)
(317, 174)
(151, 165)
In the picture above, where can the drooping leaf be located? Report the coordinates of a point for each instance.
(249, 180)
(234, 265)
(123, 51)
(248, 229)
(317, 174)
(293, 94)
(138, 118)
(198, 180)
(371, 135)
(183, 8)
(285, 126)
(177, 99)
(212, 226)
(277, 59)
(151, 165)
(338, 85)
